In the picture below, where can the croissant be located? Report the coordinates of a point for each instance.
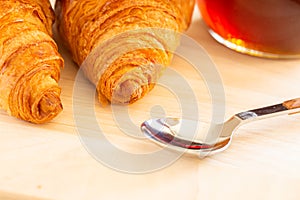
(123, 46)
(29, 61)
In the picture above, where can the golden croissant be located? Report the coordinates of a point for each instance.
(29, 61)
(123, 45)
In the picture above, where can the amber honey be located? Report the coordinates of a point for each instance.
(268, 28)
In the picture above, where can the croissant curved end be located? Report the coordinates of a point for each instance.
(45, 106)
(49, 107)
(127, 88)
(129, 91)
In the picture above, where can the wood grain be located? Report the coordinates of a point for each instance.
(14, 196)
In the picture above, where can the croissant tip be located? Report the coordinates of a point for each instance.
(127, 92)
(49, 107)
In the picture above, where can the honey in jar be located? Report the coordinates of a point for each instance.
(267, 28)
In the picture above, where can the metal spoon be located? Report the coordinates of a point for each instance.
(174, 133)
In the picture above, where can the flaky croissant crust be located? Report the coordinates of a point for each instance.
(87, 25)
(29, 61)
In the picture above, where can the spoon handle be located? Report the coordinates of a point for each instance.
(287, 107)
(292, 104)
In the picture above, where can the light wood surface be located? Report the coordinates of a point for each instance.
(50, 162)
